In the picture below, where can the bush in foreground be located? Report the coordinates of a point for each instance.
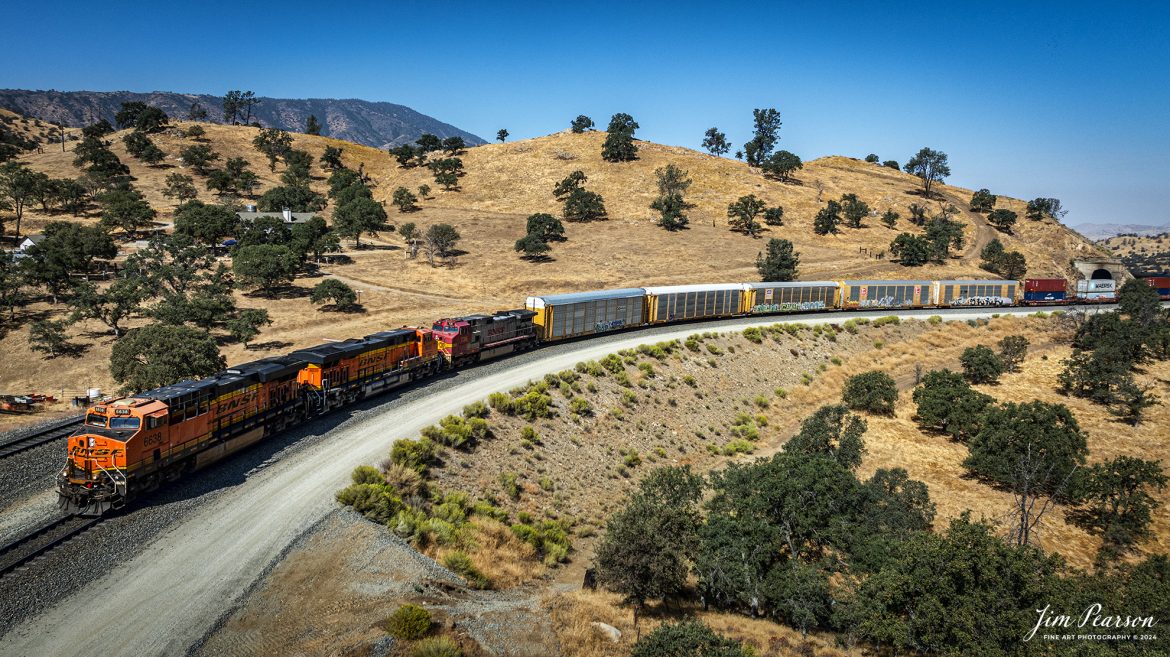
(409, 622)
(873, 391)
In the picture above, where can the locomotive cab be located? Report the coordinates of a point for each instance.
(113, 435)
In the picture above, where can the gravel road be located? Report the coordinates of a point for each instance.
(162, 591)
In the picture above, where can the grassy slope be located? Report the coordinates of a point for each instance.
(506, 182)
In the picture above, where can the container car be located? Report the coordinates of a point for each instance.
(561, 316)
(1161, 285)
(1096, 290)
(676, 303)
(790, 297)
(1044, 291)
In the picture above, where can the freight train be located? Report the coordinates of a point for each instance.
(133, 445)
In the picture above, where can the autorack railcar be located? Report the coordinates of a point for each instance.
(676, 303)
(562, 316)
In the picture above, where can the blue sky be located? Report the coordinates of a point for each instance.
(1050, 99)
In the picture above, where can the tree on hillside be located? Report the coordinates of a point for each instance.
(716, 142)
(1012, 351)
(501, 135)
(828, 219)
(111, 306)
(428, 143)
(341, 296)
(331, 158)
(763, 141)
(248, 102)
(447, 171)
(781, 165)
(874, 391)
(196, 112)
(195, 133)
(274, 143)
(18, 187)
(584, 205)
(892, 164)
(532, 246)
(1045, 208)
(947, 403)
(209, 224)
(742, 215)
(781, 262)
(198, 157)
(981, 364)
(581, 124)
(1003, 219)
(141, 147)
(774, 216)
(159, 355)
(619, 141)
(298, 198)
(647, 547)
(671, 203)
(834, 432)
(943, 235)
(983, 201)
(929, 165)
(314, 238)
(910, 250)
(246, 325)
(126, 209)
(545, 226)
(13, 282)
(872, 158)
(569, 184)
(424, 191)
(405, 155)
(404, 200)
(312, 125)
(231, 106)
(357, 216)
(1120, 503)
(49, 336)
(440, 241)
(454, 145)
(264, 267)
(180, 187)
(141, 117)
(854, 210)
(1034, 449)
(890, 218)
(68, 248)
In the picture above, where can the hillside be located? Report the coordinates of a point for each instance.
(359, 121)
(505, 183)
(1106, 231)
(1148, 253)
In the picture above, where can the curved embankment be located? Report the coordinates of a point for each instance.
(164, 598)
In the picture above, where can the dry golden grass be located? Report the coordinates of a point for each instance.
(505, 183)
(496, 552)
(1124, 245)
(574, 612)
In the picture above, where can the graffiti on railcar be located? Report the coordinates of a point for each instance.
(788, 307)
(884, 302)
(981, 301)
(610, 325)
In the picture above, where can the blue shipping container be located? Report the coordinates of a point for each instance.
(1044, 296)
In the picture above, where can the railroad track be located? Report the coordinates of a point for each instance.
(40, 437)
(41, 540)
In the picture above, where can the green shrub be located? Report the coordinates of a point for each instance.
(581, 406)
(454, 431)
(714, 349)
(532, 405)
(888, 319)
(851, 326)
(488, 509)
(738, 446)
(753, 334)
(511, 484)
(835, 360)
(529, 434)
(632, 459)
(409, 622)
(436, 646)
(613, 363)
(629, 399)
(934, 319)
(476, 409)
(459, 563)
(591, 367)
(780, 393)
(762, 401)
(378, 502)
(502, 402)
(623, 379)
(568, 376)
(364, 474)
(546, 484)
(692, 343)
(549, 537)
(689, 380)
(415, 454)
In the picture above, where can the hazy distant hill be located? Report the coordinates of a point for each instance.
(1105, 231)
(361, 121)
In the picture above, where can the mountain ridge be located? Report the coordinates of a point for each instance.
(372, 123)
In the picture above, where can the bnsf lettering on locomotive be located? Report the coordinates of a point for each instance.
(236, 402)
(95, 453)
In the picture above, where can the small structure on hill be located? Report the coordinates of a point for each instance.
(285, 215)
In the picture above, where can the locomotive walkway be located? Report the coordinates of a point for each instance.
(169, 595)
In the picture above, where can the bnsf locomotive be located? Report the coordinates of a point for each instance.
(135, 444)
